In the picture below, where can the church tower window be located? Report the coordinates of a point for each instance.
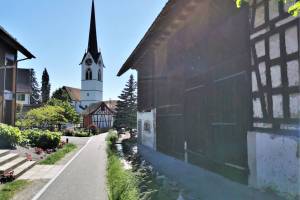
(88, 74)
(99, 75)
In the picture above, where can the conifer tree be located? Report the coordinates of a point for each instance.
(127, 106)
(61, 94)
(45, 86)
(35, 96)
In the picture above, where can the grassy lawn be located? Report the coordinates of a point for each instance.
(58, 155)
(10, 189)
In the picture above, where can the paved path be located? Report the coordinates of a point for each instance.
(84, 178)
(200, 183)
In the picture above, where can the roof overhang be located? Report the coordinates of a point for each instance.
(11, 41)
(158, 32)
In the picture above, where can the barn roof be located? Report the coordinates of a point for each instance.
(158, 31)
(11, 41)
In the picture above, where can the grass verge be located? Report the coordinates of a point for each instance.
(10, 189)
(58, 155)
(122, 184)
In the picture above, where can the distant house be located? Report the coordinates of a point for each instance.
(9, 48)
(24, 89)
(100, 114)
(74, 95)
(218, 87)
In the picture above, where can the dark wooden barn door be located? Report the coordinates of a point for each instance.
(216, 120)
(229, 117)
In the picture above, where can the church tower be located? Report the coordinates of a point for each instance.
(91, 68)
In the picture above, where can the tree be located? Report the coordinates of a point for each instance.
(61, 94)
(127, 106)
(35, 96)
(293, 10)
(69, 112)
(46, 117)
(45, 86)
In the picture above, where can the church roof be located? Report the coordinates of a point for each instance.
(74, 93)
(93, 44)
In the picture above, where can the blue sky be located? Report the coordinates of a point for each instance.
(56, 32)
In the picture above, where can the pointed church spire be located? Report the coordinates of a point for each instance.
(93, 45)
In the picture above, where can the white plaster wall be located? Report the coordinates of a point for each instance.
(27, 99)
(76, 105)
(276, 76)
(260, 48)
(91, 85)
(148, 137)
(274, 162)
(274, 43)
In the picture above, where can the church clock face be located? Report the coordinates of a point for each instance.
(89, 61)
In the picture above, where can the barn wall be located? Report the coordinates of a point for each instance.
(209, 52)
(10, 83)
(273, 142)
(226, 93)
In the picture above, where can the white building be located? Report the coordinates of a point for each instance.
(91, 69)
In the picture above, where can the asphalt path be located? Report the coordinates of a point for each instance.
(85, 176)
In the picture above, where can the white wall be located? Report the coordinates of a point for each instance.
(91, 90)
(148, 138)
(76, 105)
(274, 162)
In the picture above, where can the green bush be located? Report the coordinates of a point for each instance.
(81, 134)
(111, 137)
(76, 133)
(10, 136)
(42, 139)
(69, 132)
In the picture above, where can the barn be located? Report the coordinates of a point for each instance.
(221, 93)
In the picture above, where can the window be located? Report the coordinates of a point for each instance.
(88, 74)
(99, 75)
(147, 126)
(9, 60)
(21, 97)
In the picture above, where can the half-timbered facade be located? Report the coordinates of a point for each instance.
(219, 92)
(273, 138)
(100, 115)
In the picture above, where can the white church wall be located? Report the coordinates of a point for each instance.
(91, 85)
(91, 90)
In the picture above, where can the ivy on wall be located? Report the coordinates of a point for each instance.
(293, 10)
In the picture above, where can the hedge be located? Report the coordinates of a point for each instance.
(42, 139)
(10, 136)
